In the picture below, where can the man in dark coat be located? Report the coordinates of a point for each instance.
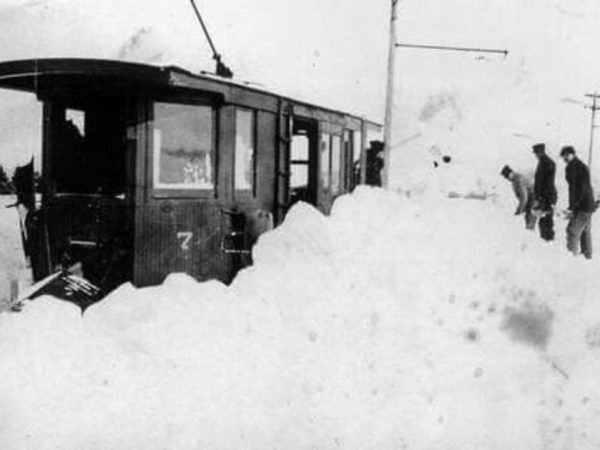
(581, 204)
(523, 189)
(374, 163)
(544, 192)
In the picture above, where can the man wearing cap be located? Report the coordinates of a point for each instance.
(523, 189)
(544, 192)
(581, 204)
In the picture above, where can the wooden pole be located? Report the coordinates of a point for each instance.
(592, 131)
(389, 96)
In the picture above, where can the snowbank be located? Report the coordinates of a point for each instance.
(428, 323)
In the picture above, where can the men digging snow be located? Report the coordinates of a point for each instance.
(581, 204)
(523, 188)
(544, 192)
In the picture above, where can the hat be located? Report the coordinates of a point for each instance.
(568, 150)
(377, 145)
(506, 171)
(539, 148)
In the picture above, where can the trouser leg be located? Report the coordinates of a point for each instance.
(530, 220)
(586, 238)
(546, 225)
(574, 232)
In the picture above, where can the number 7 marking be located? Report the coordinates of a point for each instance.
(185, 237)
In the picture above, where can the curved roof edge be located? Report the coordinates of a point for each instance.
(23, 73)
(27, 73)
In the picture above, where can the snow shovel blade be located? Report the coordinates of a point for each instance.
(64, 286)
(33, 290)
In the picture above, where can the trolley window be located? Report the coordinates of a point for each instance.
(245, 150)
(87, 145)
(184, 146)
(325, 162)
(77, 118)
(356, 157)
(348, 160)
(299, 161)
(336, 156)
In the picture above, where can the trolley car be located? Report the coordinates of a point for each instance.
(149, 170)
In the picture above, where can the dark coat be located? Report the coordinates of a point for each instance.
(374, 166)
(581, 195)
(544, 188)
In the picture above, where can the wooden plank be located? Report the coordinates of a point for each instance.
(231, 94)
(331, 128)
(283, 140)
(184, 236)
(243, 97)
(322, 115)
(143, 158)
(224, 155)
(266, 160)
(363, 152)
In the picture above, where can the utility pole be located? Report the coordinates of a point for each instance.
(594, 108)
(389, 96)
(389, 99)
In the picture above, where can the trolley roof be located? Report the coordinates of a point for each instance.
(84, 75)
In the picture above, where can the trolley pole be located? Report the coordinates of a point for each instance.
(389, 96)
(594, 108)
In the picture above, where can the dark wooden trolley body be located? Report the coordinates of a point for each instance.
(150, 170)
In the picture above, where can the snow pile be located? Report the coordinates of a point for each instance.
(432, 323)
(455, 179)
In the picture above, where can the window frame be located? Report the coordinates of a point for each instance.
(348, 159)
(340, 149)
(358, 157)
(161, 191)
(245, 192)
(56, 113)
(326, 138)
(294, 162)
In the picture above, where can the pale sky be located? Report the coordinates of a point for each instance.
(333, 52)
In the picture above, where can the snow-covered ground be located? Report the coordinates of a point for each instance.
(400, 321)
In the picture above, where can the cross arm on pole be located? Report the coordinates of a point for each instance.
(593, 126)
(454, 49)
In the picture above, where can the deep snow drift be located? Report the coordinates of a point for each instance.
(397, 322)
